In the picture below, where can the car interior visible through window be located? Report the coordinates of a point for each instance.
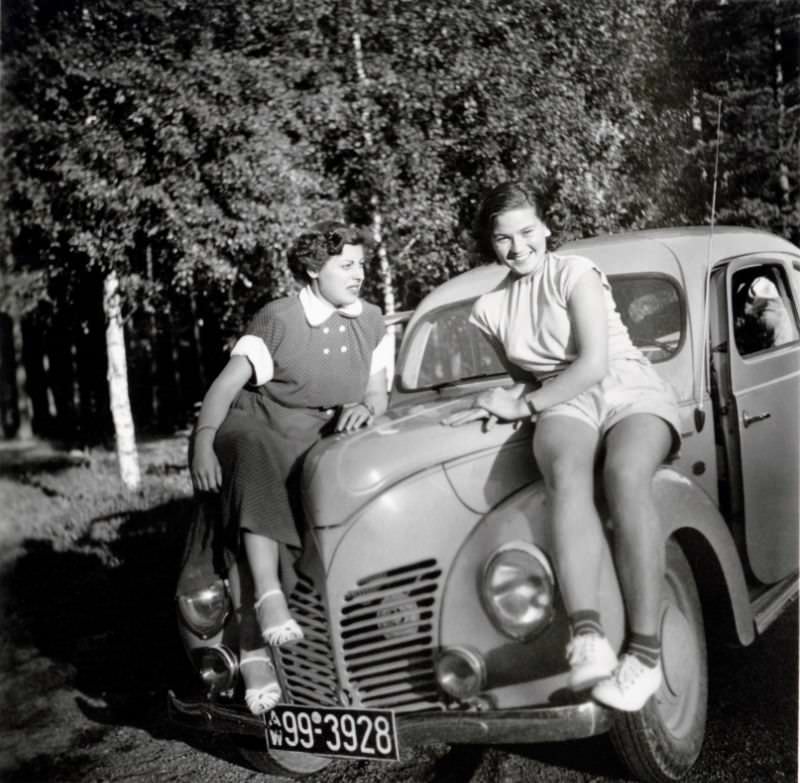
(650, 308)
(763, 314)
(446, 348)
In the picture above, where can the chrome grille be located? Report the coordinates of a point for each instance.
(309, 674)
(387, 628)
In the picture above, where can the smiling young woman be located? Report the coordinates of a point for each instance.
(594, 397)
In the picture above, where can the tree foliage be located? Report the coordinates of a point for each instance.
(184, 145)
(745, 58)
(136, 137)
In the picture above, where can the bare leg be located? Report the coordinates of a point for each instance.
(262, 556)
(277, 625)
(262, 690)
(635, 448)
(565, 451)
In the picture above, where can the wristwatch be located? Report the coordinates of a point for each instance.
(531, 406)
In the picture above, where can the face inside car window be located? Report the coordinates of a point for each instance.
(763, 315)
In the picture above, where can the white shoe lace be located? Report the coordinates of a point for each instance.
(582, 648)
(631, 670)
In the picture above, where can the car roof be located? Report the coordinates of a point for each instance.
(682, 252)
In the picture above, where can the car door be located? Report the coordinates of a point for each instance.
(765, 387)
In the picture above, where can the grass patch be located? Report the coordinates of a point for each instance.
(62, 497)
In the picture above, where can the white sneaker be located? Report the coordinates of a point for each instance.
(630, 686)
(591, 658)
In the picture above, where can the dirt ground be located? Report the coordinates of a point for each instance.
(88, 649)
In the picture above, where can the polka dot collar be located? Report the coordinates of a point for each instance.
(317, 310)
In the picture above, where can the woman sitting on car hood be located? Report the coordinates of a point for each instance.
(306, 366)
(592, 393)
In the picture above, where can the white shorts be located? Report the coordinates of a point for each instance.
(629, 387)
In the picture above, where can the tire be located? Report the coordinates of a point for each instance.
(284, 763)
(661, 742)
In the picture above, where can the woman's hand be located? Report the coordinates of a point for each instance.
(352, 417)
(493, 404)
(471, 414)
(206, 470)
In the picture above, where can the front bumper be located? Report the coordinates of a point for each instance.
(537, 724)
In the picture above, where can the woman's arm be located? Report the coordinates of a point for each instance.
(374, 404)
(206, 470)
(377, 396)
(587, 312)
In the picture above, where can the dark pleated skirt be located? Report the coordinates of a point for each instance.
(260, 446)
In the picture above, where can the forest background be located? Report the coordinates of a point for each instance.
(159, 156)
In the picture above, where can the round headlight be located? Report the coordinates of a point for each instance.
(216, 666)
(204, 612)
(518, 590)
(460, 672)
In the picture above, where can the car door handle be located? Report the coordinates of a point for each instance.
(747, 419)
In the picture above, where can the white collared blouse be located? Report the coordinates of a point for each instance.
(311, 354)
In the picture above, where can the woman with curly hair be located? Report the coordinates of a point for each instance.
(306, 366)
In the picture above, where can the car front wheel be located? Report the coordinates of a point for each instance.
(661, 742)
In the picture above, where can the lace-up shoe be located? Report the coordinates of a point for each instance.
(591, 658)
(630, 686)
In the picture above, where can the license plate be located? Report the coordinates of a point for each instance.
(333, 731)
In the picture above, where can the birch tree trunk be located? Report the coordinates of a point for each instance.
(387, 278)
(127, 455)
(150, 347)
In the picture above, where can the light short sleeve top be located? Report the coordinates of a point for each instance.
(529, 317)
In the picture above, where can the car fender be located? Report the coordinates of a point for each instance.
(686, 513)
(692, 518)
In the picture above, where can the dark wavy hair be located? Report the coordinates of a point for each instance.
(314, 247)
(501, 198)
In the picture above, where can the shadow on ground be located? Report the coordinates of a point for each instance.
(101, 608)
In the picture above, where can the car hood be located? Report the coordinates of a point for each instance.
(344, 472)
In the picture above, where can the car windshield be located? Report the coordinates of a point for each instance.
(444, 349)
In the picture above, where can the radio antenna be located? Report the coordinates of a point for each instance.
(699, 411)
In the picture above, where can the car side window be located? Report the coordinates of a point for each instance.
(763, 312)
(452, 349)
(652, 310)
